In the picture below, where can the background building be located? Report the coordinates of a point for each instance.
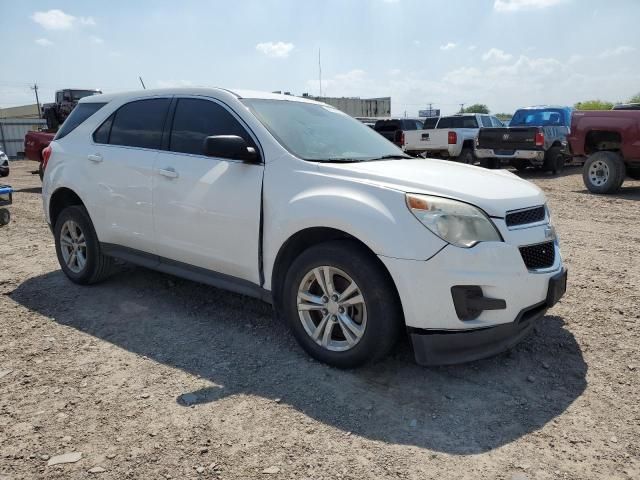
(357, 107)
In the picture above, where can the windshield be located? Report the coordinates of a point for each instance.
(78, 94)
(538, 118)
(320, 133)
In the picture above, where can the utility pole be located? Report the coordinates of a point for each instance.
(430, 109)
(35, 89)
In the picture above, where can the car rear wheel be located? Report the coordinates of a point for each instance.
(603, 172)
(490, 163)
(5, 217)
(466, 156)
(78, 249)
(521, 164)
(341, 305)
(554, 160)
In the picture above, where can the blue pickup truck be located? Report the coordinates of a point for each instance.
(536, 137)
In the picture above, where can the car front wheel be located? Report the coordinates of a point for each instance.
(603, 172)
(341, 305)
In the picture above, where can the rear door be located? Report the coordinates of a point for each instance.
(207, 210)
(121, 161)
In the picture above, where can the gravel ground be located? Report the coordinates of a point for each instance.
(150, 376)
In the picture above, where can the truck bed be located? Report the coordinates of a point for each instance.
(35, 142)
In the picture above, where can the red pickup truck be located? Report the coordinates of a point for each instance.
(611, 141)
(35, 142)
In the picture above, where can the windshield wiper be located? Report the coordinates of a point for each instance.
(389, 157)
(343, 160)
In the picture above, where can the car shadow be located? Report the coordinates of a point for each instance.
(625, 193)
(532, 173)
(37, 190)
(235, 342)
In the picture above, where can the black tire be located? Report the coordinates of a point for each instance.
(381, 304)
(41, 171)
(520, 164)
(5, 217)
(554, 160)
(490, 163)
(97, 265)
(466, 156)
(634, 173)
(4, 173)
(603, 172)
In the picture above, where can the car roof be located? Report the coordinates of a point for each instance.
(542, 107)
(197, 91)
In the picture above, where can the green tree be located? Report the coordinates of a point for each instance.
(635, 98)
(477, 108)
(594, 105)
(504, 116)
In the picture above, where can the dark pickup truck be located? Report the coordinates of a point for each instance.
(535, 137)
(393, 128)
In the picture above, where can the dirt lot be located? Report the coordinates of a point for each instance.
(149, 376)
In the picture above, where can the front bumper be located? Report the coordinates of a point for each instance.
(451, 347)
(497, 271)
(534, 156)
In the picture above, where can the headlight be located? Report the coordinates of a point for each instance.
(457, 223)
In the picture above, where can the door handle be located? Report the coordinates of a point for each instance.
(97, 158)
(168, 172)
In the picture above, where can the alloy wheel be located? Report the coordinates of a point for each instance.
(73, 246)
(331, 308)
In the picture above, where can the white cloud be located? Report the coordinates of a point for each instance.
(58, 20)
(471, 48)
(515, 5)
(96, 40)
(496, 55)
(417, 43)
(44, 42)
(275, 49)
(448, 46)
(87, 21)
(53, 19)
(616, 52)
(115, 54)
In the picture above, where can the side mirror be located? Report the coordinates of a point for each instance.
(230, 146)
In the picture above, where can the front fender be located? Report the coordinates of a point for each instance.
(376, 216)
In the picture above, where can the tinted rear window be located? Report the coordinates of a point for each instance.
(387, 126)
(140, 123)
(458, 122)
(77, 116)
(430, 122)
(538, 117)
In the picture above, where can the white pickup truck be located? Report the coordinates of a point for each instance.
(453, 137)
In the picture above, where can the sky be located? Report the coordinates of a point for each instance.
(502, 53)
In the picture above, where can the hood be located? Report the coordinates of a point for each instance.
(494, 191)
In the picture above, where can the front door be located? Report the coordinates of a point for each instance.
(206, 210)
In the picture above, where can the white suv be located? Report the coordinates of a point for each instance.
(298, 204)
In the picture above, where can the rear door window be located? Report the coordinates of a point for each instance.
(458, 122)
(77, 116)
(387, 126)
(140, 123)
(430, 123)
(196, 119)
(486, 121)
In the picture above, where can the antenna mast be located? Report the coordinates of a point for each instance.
(320, 72)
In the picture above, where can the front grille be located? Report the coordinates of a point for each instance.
(523, 217)
(538, 256)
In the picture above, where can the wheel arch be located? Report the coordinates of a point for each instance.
(602, 140)
(305, 239)
(62, 198)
